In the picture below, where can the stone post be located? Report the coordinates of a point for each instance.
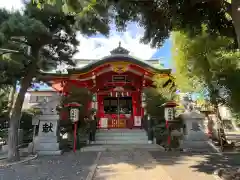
(195, 137)
(47, 142)
(150, 130)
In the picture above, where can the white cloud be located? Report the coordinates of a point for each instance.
(11, 4)
(98, 47)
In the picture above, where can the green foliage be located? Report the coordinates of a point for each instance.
(159, 18)
(91, 15)
(4, 133)
(210, 62)
(185, 81)
(41, 38)
(160, 133)
(4, 101)
(26, 121)
(165, 86)
(153, 101)
(81, 96)
(47, 30)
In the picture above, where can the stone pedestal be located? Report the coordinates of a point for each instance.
(46, 143)
(195, 136)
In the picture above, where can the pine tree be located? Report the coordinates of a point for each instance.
(39, 39)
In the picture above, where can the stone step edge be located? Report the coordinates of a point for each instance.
(50, 153)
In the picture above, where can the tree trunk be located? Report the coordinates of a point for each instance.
(13, 153)
(236, 18)
(11, 99)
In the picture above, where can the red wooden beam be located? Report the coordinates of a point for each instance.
(90, 73)
(140, 69)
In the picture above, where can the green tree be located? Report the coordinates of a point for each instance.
(185, 81)
(161, 17)
(153, 101)
(165, 86)
(42, 38)
(211, 62)
(4, 101)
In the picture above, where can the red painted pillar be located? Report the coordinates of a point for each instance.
(89, 106)
(134, 106)
(100, 112)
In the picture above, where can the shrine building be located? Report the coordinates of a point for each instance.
(116, 83)
(114, 89)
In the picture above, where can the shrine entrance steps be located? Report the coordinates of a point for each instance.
(121, 136)
(122, 147)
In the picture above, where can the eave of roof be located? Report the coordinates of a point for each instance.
(115, 58)
(53, 75)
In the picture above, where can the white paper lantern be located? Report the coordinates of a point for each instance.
(169, 113)
(74, 114)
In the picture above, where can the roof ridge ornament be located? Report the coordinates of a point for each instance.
(119, 50)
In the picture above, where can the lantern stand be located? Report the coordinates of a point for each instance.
(74, 117)
(169, 114)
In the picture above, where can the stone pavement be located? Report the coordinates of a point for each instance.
(183, 166)
(197, 166)
(68, 166)
(130, 165)
(141, 165)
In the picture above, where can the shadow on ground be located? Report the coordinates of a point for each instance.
(178, 165)
(69, 166)
(127, 164)
(215, 161)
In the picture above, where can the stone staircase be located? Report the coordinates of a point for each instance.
(121, 136)
(121, 140)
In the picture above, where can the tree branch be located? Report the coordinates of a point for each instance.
(228, 7)
(225, 2)
(9, 51)
(14, 39)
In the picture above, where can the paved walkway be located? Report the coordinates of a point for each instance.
(130, 165)
(188, 166)
(69, 166)
(185, 166)
(142, 165)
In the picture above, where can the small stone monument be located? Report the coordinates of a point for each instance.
(195, 136)
(47, 141)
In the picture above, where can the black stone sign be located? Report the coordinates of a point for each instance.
(47, 128)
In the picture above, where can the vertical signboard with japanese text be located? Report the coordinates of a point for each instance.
(169, 113)
(74, 114)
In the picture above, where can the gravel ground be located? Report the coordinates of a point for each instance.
(68, 166)
(229, 173)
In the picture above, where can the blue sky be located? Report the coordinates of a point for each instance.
(98, 46)
(165, 53)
